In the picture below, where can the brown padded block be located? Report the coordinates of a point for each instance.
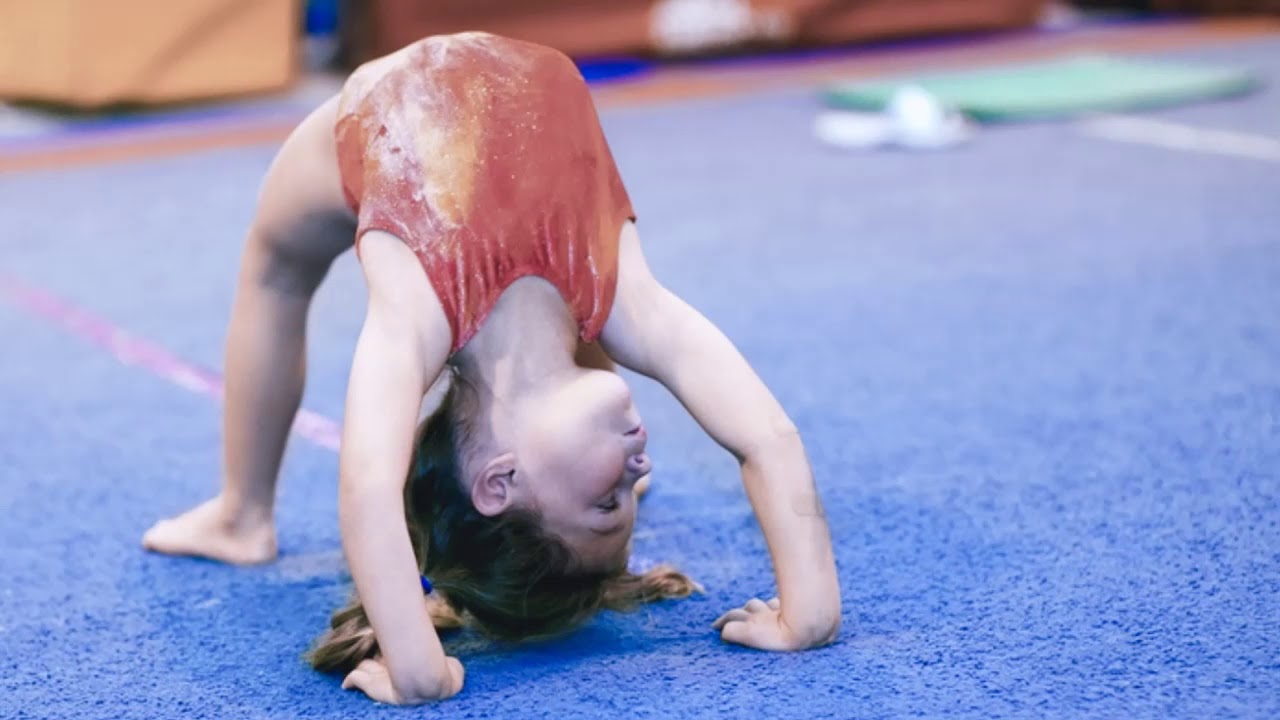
(372, 28)
(91, 53)
(853, 21)
(586, 27)
(1220, 7)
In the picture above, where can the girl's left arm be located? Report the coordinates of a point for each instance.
(653, 332)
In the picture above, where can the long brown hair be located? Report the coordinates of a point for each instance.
(504, 575)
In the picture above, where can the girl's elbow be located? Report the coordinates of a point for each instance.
(780, 435)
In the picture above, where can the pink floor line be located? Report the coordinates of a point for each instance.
(137, 352)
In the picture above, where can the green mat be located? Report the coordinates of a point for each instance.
(1055, 89)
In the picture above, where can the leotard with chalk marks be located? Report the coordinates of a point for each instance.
(486, 157)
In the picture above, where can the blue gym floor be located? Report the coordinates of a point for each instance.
(1039, 380)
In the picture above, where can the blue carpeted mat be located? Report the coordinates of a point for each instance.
(1039, 379)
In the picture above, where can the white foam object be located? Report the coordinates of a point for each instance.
(683, 26)
(914, 119)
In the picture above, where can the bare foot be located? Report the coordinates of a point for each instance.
(642, 486)
(205, 531)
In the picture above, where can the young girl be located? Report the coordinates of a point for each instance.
(504, 270)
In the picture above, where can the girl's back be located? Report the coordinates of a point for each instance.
(486, 157)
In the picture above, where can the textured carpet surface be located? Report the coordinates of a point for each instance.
(1039, 379)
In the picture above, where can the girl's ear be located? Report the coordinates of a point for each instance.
(494, 489)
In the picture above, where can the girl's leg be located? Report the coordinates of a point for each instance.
(300, 229)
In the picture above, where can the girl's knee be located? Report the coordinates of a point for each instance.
(284, 263)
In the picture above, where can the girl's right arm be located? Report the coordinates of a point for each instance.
(402, 348)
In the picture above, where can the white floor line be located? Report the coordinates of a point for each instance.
(1175, 136)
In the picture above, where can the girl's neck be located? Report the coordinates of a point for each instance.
(528, 339)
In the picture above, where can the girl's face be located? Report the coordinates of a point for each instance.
(579, 449)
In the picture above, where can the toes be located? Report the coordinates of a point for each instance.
(154, 538)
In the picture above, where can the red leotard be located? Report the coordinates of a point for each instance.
(486, 157)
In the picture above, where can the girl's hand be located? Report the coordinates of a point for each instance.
(371, 678)
(761, 625)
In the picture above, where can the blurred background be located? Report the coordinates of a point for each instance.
(100, 57)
